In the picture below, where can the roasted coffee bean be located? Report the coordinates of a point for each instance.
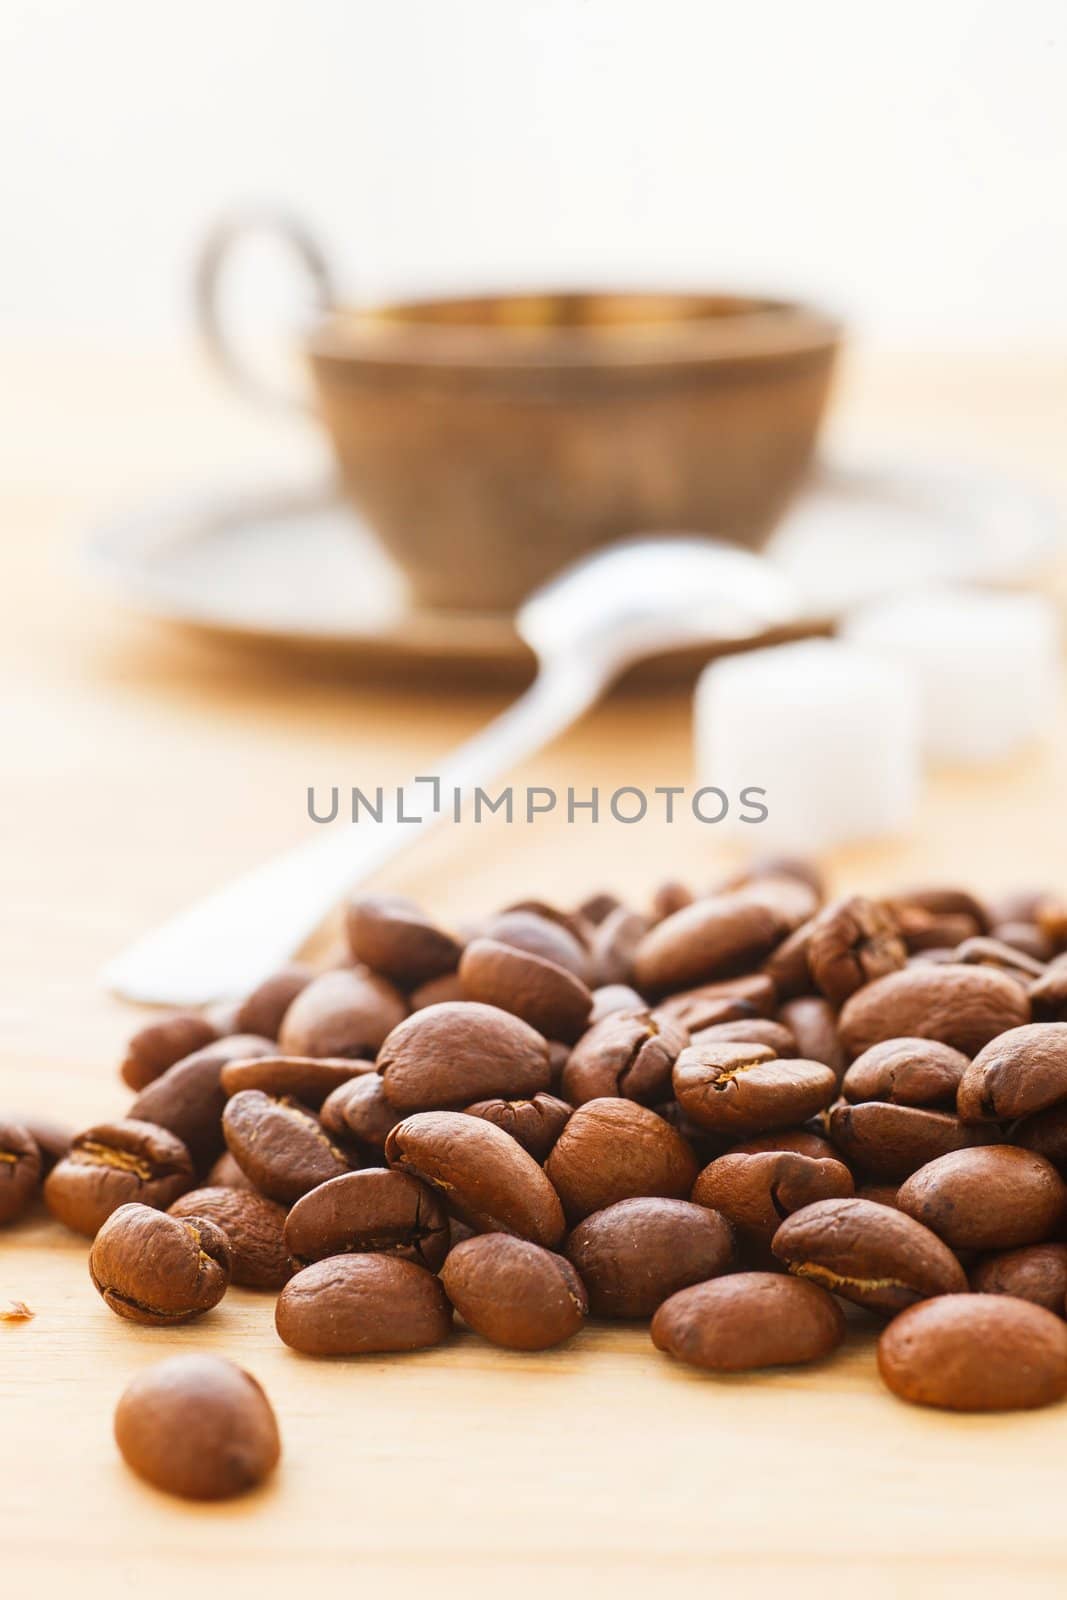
(20, 1170)
(760, 1030)
(255, 1232)
(614, 1150)
(756, 1190)
(732, 1000)
(880, 1194)
(263, 1011)
(360, 1304)
(188, 1098)
(536, 1123)
(1037, 1272)
(615, 945)
(1048, 994)
(851, 943)
(544, 937)
(158, 1045)
(924, 931)
(155, 1269)
(359, 1112)
(574, 923)
(369, 1212)
(198, 1427)
(790, 899)
(975, 1352)
(514, 1293)
(1051, 918)
(908, 1072)
(112, 1164)
(987, 952)
(737, 1089)
(811, 1021)
(891, 1141)
(597, 906)
(393, 937)
(485, 1176)
(709, 939)
(456, 1054)
(437, 992)
(1021, 1071)
(1024, 936)
(868, 1253)
(350, 1012)
(961, 1006)
(53, 1139)
(226, 1174)
(801, 868)
(1046, 1134)
(308, 1079)
(635, 1254)
(670, 897)
(787, 964)
(802, 1141)
(991, 1198)
(944, 902)
(612, 997)
(630, 1054)
(747, 1321)
(545, 995)
(280, 1146)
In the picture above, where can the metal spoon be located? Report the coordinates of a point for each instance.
(596, 618)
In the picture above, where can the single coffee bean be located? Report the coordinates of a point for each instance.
(908, 1072)
(787, 965)
(924, 931)
(747, 1321)
(1021, 1071)
(612, 997)
(535, 1123)
(570, 920)
(801, 868)
(868, 1253)
(514, 1293)
(961, 1006)
(1046, 1134)
(156, 1269)
(263, 1010)
(792, 901)
(158, 1045)
(112, 1164)
(198, 1427)
(759, 1030)
(811, 1021)
(802, 1141)
(736, 1089)
(226, 1174)
(751, 995)
(281, 1147)
(630, 1054)
(545, 995)
(614, 1150)
(255, 1232)
(355, 1305)
(975, 1352)
(359, 1113)
(891, 1141)
(853, 942)
(944, 902)
(670, 897)
(597, 906)
(615, 945)
(485, 1177)
(53, 1139)
(756, 1190)
(880, 1194)
(990, 1198)
(437, 992)
(1037, 1272)
(542, 936)
(20, 1170)
(988, 952)
(188, 1098)
(709, 939)
(454, 1055)
(635, 1254)
(308, 1079)
(376, 1210)
(1027, 937)
(1048, 994)
(393, 937)
(349, 1012)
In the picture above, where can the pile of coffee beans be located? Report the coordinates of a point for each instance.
(726, 1116)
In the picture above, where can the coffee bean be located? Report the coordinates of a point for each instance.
(281, 1147)
(801, 868)
(1036, 1272)
(454, 1055)
(226, 1174)
(987, 952)
(53, 1139)
(975, 1352)
(811, 1021)
(514, 1293)
(188, 1098)
(670, 897)
(375, 1210)
(612, 997)
(597, 906)
(542, 936)
(20, 1170)
(803, 1141)
(158, 1045)
(635, 1254)
(198, 1427)
(990, 1198)
(358, 1111)
(307, 1079)
(747, 1321)
(756, 1190)
(263, 1010)
(961, 1006)
(1021, 1071)
(792, 900)
(908, 1072)
(868, 1253)
(759, 1030)
(535, 1123)
(943, 902)
(614, 1150)
(349, 1013)
(736, 1089)
(630, 1054)
(615, 943)
(787, 964)
(891, 1141)
(1027, 937)
(391, 936)
(1048, 994)
(485, 1176)
(156, 1269)
(437, 992)
(709, 939)
(880, 1194)
(361, 1304)
(734, 999)
(545, 995)
(255, 1232)
(853, 942)
(114, 1163)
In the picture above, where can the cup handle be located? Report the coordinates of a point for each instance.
(215, 253)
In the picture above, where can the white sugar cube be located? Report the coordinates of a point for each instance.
(830, 733)
(987, 666)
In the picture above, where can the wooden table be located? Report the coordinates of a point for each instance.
(143, 765)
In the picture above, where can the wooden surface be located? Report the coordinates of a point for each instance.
(140, 767)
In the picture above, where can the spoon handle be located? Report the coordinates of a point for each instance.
(225, 944)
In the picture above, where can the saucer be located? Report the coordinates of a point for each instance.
(294, 566)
